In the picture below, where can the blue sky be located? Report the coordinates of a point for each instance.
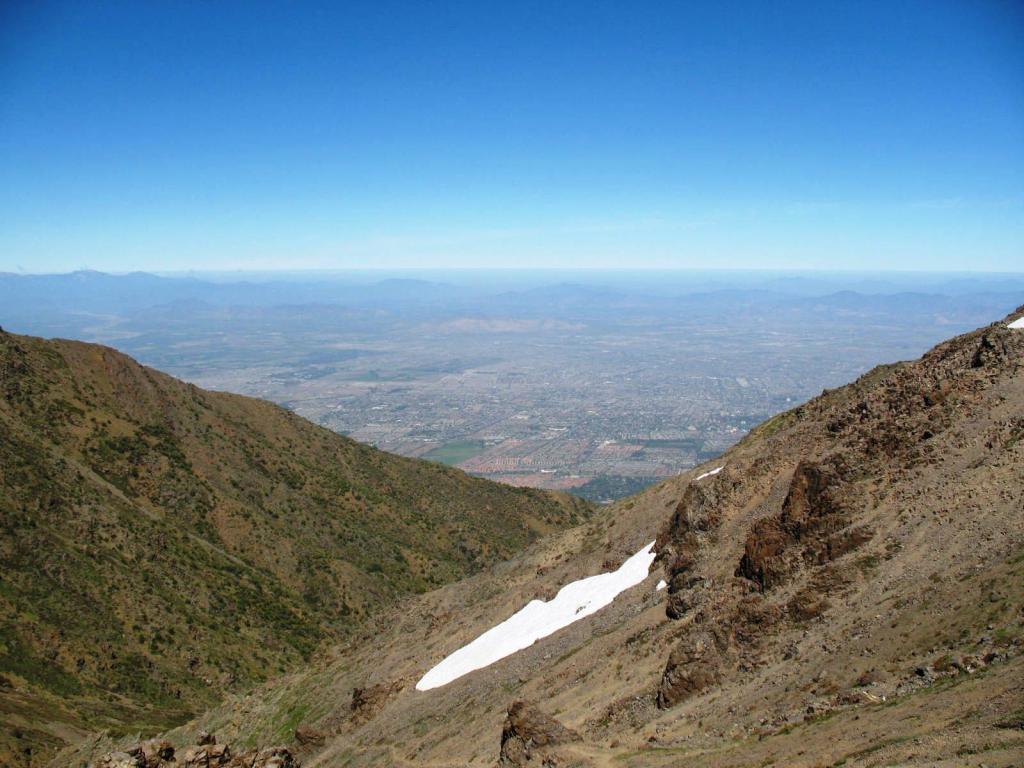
(221, 135)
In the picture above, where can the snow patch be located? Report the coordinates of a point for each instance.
(714, 471)
(539, 619)
(661, 585)
(1018, 323)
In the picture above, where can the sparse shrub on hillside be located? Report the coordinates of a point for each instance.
(245, 535)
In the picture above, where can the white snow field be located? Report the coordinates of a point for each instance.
(661, 585)
(1018, 323)
(714, 471)
(539, 619)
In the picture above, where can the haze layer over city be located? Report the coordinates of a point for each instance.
(597, 382)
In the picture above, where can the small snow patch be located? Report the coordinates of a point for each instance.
(661, 585)
(1018, 323)
(714, 471)
(539, 619)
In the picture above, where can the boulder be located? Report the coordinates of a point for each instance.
(206, 756)
(307, 736)
(528, 729)
(694, 665)
(118, 760)
(154, 753)
(273, 757)
(367, 702)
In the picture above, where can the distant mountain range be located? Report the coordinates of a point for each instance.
(25, 297)
(124, 310)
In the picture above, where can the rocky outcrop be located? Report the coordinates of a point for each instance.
(154, 753)
(693, 666)
(161, 754)
(993, 350)
(897, 410)
(116, 760)
(148, 754)
(849, 443)
(528, 732)
(730, 623)
(368, 701)
(308, 736)
(809, 528)
(690, 530)
(206, 756)
(270, 757)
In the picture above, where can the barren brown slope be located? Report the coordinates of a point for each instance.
(161, 545)
(848, 590)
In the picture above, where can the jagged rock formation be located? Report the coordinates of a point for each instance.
(161, 754)
(848, 449)
(693, 666)
(528, 732)
(805, 530)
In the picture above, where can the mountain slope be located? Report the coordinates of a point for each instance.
(848, 589)
(160, 544)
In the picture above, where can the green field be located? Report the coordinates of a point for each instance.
(686, 443)
(456, 451)
(606, 488)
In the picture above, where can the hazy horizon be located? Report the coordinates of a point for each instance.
(512, 269)
(596, 381)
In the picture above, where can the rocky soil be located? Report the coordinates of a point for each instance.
(158, 753)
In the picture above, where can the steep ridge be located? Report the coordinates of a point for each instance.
(848, 589)
(161, 545)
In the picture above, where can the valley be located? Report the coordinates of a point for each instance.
(847, 589)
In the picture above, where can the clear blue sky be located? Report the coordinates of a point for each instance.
(174, 135)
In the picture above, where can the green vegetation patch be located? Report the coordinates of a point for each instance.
(456, 451)
(611, 487)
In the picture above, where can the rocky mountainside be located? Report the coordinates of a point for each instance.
(847, 590)
(161, 545)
